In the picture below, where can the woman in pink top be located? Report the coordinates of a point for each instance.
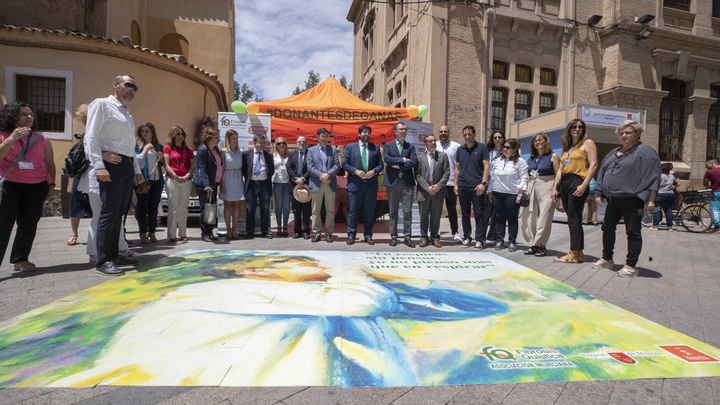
(27, 185)
(178, 182)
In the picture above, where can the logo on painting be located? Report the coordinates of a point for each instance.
(524, 358)
(688, 353)
(622, 357)
(493, 354)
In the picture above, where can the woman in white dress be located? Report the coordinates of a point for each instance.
(231, 186)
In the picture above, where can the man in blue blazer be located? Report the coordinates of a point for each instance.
(323, 164)
(258, 169)
(399, 181)
(300, 176)
(363, 163)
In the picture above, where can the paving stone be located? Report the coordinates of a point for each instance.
(678, 289)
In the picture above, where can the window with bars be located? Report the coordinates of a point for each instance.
(672, 120)
(678, 4)
(500, 70)
(548, 77)
(523, 104)
(46, 96)
(713, 127)
(499, 108)
(547, 102)
(523, 74)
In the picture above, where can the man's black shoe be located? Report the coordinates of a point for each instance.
(109, 269)
(297, 236)
(267, 236)
(125, 261)
(328, 239)
(393, 241)
(306, 235)
(213, 237)
(409, 243)
(316, 238)
(206, 238)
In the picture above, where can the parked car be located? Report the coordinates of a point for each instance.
(193, 206)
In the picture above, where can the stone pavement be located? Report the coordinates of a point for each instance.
(678, 287)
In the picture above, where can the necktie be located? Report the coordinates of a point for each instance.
(364, 157)
(431, 163)
(301, 163)
(256, 169)
(400, 153)
(324, 160)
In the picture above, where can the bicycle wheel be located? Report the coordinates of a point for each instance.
(696, 218)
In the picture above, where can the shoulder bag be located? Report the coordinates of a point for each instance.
(210, 210)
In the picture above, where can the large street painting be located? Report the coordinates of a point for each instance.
(282, 318)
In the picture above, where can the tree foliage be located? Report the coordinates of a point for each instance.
(246, 93)
(314, 79)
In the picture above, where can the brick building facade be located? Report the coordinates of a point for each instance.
(500, 61)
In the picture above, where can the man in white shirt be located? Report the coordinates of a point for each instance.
(450, 149)
(110, 128)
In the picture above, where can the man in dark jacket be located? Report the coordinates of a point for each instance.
(258, 169)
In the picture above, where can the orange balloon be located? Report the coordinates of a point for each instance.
(252, 107)
(413, 110)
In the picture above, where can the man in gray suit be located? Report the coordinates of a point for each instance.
(323, 164)
(431, 175)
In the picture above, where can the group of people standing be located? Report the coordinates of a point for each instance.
(490, 181)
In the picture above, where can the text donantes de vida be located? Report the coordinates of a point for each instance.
(336, 115)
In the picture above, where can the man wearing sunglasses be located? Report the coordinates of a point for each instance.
(110, 128)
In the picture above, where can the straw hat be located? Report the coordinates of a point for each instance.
(302, 193)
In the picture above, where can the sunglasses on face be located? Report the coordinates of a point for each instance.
(577, 127)
(180, 134)
(508, 147)
(497, 137)
(282, 143)
(130, 86)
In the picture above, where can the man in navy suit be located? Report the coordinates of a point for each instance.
(363, 163)
(300, 176)
(258, 169)
(323, 164)
(399, 181)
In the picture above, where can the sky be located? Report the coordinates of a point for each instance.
(278, 41)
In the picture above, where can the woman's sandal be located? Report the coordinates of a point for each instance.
(531, 250)
(72, 241)
(568, 258)
(541, 252)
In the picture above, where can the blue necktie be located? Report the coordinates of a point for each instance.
(257, 169)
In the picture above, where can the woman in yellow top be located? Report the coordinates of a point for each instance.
(578, 163)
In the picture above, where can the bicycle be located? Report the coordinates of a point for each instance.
(692, 213)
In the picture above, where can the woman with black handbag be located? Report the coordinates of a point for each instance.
(507, 185)
(207, 178)
(149, 154)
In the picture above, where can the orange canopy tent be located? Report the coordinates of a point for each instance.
(331, 106)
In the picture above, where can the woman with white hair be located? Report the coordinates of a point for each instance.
(628, 179)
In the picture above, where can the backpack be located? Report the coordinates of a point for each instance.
(76, 162)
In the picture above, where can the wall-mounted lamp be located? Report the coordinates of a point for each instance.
(643, 34)
(594, 19)
(644, 19)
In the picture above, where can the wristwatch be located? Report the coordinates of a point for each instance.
(484, 183)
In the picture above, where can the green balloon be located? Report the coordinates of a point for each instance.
(422, 110)
(239, 107)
